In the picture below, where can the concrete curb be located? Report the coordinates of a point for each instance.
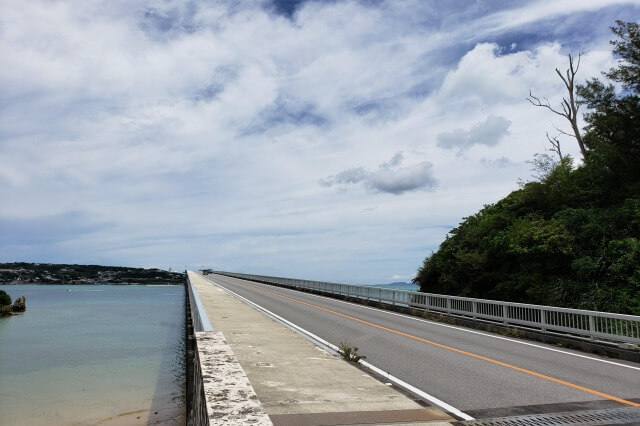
(220, 390)
(230, 398)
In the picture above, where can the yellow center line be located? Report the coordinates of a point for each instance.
(460, 351)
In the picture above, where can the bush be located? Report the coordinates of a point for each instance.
(5, 299)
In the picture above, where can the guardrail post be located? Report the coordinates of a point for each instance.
(505, 314)
(543, 320)
(474, 309)
(393, 297)
(448, 305)
(592, 327)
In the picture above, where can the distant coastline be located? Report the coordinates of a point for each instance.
(398, 285)
(18, 273)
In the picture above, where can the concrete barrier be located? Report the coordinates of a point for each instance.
(229, 397)
(218, 390)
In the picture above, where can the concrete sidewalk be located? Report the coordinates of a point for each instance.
(299, 383)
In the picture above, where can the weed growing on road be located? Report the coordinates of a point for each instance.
(349, 353)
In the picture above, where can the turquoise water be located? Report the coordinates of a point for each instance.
(93, 354)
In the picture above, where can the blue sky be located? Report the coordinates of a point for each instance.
(335, 140)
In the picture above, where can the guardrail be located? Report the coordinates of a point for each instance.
(198, 313)
(594, 325)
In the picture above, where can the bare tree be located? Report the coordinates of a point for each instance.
(555, 146)
(569, 106)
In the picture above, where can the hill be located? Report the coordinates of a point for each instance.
(572, 238)
(51, 273)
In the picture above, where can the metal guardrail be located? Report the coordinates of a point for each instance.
(594, 325)
(198, 313)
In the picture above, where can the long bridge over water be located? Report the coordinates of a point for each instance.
(265, 353)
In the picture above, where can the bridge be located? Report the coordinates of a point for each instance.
(434, 352)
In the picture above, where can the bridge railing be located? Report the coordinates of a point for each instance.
(198, 313)
(594, 325)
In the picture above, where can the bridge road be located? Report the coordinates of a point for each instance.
(479, 373)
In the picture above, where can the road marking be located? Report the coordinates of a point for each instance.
(333, 348)
(457, 328)
(460, 351)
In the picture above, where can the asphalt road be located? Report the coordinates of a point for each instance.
(482, 374)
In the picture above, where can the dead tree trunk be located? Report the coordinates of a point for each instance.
(569, 106)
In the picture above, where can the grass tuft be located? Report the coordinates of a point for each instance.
(349, 353)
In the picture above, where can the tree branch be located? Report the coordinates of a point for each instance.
(569, 106)
(562, 131)
(555, 145)
(535, 101)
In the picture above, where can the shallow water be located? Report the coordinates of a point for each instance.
(93, 354)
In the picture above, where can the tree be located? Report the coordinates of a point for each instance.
(571, 238)
(628, 50)
(612, 119)
(569, 106)
(5, 299)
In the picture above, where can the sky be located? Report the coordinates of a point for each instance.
(332, 140)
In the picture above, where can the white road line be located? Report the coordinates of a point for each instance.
(334, 349)
(461, 329)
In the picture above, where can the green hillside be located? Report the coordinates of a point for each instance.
(56, 273)
(572, 238)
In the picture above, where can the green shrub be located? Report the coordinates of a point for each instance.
(5, 299)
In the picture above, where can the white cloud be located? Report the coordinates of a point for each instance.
(539, 10)
(389, 177)
(398, 277)
(354, 175)
(398, 181)
(488, 132)
(188, 133)
(499, 163)
(395, 161)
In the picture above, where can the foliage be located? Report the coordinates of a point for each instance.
(627, 47)
(349, 353)
(5, 299)
(572, 238)
(52, 273)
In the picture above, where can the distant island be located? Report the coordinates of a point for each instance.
(53, 273)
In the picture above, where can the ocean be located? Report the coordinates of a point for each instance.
(399, 286)
(93, 354)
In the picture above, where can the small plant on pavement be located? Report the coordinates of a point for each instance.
(350, 353)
